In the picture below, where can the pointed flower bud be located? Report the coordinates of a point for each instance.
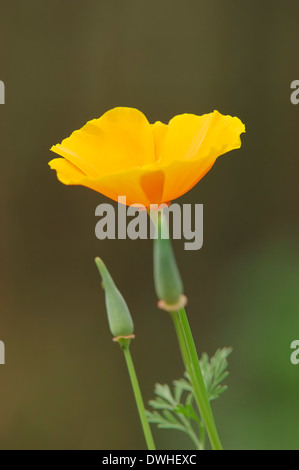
(119, 318)
(168, 283)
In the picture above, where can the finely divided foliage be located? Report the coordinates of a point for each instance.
(176, 409)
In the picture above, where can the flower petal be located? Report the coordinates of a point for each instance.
(67, 173)
(181, 176)
(192, 137)
(120, 139)
(159, 130)
(152, 184)
(121, 154)
(139, 185)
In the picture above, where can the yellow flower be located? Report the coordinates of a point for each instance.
(122, 154)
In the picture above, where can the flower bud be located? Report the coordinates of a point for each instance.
(168, 283)
(119, 318)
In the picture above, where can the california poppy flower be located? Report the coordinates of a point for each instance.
(122, 154)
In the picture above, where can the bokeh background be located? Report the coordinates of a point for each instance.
(65, 384)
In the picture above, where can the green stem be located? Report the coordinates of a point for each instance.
(192, 365)
(190, 431)
(139, 401)
(202, 435)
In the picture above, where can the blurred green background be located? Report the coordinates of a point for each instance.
(65, 384)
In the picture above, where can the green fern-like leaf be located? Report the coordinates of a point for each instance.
(175, 409)
(214, 372)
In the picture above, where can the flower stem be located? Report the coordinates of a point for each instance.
(138, 397)
(190, 358)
